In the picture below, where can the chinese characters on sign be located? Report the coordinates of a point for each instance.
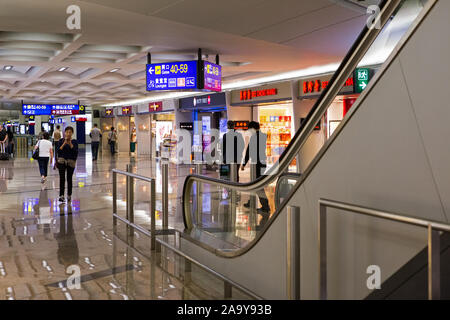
(250, 94)
(49, 109)
(362, 78)
(212, 76)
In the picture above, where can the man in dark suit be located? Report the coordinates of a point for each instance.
(232, 147)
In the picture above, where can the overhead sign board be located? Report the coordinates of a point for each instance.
(184, 75)
(155, 106)
(315, 86)
(213, 76)
(172, 76)
(50, 109)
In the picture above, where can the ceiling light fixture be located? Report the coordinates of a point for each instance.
(63, 69)
(115, 69)
(8, 67)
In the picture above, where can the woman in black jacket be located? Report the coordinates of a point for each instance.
(66, 157)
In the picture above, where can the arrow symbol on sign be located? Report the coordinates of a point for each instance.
(363, 85)
(151, 70)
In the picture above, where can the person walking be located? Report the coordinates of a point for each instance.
(112, 138)
(45, 154)
(232, 148)
(95, 135)
(66, 157)
(256, 154)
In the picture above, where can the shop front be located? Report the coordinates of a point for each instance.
(207, 113)
(310, 90)
(107, 121)
(271, 106)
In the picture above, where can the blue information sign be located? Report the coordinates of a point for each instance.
(172, 75)
(50, 109)
(36, 109)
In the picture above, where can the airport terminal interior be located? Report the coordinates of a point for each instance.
(224, 150)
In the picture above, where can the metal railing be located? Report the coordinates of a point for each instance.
(156, 243)
(350, 62)
(433, 228)
(283, 181)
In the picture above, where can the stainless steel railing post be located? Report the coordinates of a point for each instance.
(152, 214)
(114, 191)
(434, 264)
(322, 230)
(165, 195)
(293, 253)
(253, 203)
(198, 197)
(233, 177)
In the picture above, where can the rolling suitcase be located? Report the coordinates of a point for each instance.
(3, 154)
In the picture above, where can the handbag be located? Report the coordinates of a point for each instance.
(36, 152)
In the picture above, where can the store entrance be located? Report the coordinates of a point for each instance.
(276, 121)
(163, 125)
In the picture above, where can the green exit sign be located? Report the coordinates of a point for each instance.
(362, 77)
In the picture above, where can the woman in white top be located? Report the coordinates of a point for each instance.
(45, 154)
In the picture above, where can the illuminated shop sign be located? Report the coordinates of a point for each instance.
(318, 85)
(281, 91)
(185, 75)
(50, 109)
(155, 106)
(210, 100)
(241, 125)
(251, 94)
(127, 110)
(109, 113)
(187, 125)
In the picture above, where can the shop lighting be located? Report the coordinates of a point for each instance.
(8, 67)
(115, 69)
(63, 69)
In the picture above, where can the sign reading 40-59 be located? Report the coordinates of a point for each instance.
(172, 76)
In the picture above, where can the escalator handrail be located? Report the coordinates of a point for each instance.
(349, 63)
(284, 176)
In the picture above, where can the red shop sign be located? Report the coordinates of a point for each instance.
(155, 106)
(319, 85)
(250, 94)
(127, 110)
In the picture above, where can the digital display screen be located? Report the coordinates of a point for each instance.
(212, 76)
(50, 109)
(172, 75)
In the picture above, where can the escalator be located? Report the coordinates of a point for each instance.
(388, 153)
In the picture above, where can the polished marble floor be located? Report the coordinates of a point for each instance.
(41, 241)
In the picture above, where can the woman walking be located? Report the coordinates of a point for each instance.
(45, 154)
(66, 157)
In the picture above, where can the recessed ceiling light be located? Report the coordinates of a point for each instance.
(115, 69)
(8, 67)
(63, 69)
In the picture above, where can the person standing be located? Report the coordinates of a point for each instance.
(56, 136)
(256, 154)
(66, 157)
(95, 135)
(112, 138)
(232, 148)
(10, 148)
(45, 154)
(3, 138)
